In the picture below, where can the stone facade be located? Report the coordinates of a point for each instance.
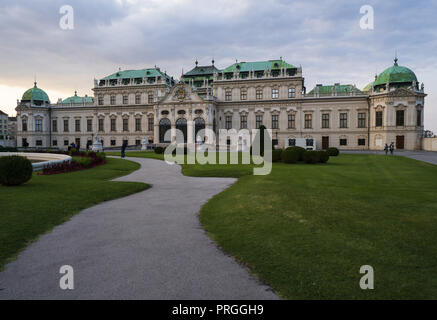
(130, 105)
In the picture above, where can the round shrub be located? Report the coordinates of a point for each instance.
(290, 155)
(159, 150)
(15, 170)
(323, 156)
(333, 152)
(311, 157)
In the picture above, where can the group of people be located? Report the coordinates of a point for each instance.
(390, 148)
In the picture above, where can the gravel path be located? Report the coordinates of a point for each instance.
(149, 245)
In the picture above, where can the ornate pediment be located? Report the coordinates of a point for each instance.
(181, 92)
(401, 92)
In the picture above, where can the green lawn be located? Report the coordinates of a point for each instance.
(29, 210)
(307, 229)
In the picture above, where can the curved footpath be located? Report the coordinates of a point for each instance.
(149, 245)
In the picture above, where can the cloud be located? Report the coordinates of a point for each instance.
(322, 36)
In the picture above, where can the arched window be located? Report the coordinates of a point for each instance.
(181, 124)
(164, 126)
(199, 124)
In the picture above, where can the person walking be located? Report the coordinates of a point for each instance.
(392, 148)
(386, 149)
(123, 149)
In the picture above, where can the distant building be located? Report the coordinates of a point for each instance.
(12, 130)
(4, 136)
(131, 104)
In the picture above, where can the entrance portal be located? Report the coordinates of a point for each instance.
(400, 141)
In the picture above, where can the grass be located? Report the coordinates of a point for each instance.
(307, 229)
(34, 208)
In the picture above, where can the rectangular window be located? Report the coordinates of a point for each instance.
(38, 143)
(150, 98)
(275, 93)
(291, 142)
(55, 125)
(343, 142)
(150, 123)
(24, 124)
(137, 142)
(228, 123)
(361, 142)
(38, 125)
(378, 119)
(259, 94)
(112, 142)
(325, 120)
(309, 142)
(291, 121)
(419, 118)
(77, 125)
(243, 122)
(65, 125)
(343, 120)
(400, 117)
(137, 99)
(308, 121)
(101, 125)
(228, 95)
(112, 99)
(113, 125)
(137, 124)
(125, 124)
(100, 101)
(243, 94)
(55, 143)
(65, 142)
(291, 92)
(275, 121)
(89, 125)
(125, 99)
(361, 120)
(258, 121)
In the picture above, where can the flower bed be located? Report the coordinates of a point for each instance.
(85, 160)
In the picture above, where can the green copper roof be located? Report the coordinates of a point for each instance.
(77, 99)
(142, 73)
(340, 88)
(395, 74)
(35, 94)
(259, 66)
(202, 71)
(368, 87)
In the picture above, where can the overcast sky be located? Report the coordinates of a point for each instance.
(324, 37)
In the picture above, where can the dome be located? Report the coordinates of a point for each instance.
(77, 99)
(395, 74)
(368, 87)
(35, 94)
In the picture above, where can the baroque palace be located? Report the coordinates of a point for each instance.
(132, 104)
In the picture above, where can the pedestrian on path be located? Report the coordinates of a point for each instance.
(392, 148)
(386, 149)
(123, 149)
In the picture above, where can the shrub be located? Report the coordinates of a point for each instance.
(323, 156)
(311, 157)
(299, 150)
(159, 150)
(100, 155)
(290, 155)
(84, 162)
(276, 155)
(7, 149)
(333, 152)
(15, 170)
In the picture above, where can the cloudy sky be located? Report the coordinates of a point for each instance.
(324, 37)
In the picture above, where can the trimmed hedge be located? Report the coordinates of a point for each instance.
(333, 152)
(290, 155)
(311, 157)
(276, 155)
(299, 150)
(159, 150)
(15, 170)
(323, 156)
